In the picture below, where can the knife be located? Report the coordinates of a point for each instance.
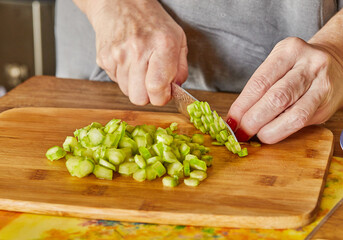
(341, 140)
(182, 99)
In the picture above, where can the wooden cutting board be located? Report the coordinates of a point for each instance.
(276, 186)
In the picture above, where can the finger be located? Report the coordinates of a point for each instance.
(292, 120)
(182, 70)
(162, 70)
(283, 94)
(122, 71)
(136, 87)
(277, 64)
(109, 66)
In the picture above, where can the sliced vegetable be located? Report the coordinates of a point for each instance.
(128, 168)
(103, 172)
(209, 122)
(107, 164)
(193, 182)
(197, 174)
(143, 152)
(170, 181)
(55, 153)
(140, 175)
(139, 160)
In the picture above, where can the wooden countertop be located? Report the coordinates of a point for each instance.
(44, 91)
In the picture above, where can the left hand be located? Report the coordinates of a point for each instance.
(299, 84)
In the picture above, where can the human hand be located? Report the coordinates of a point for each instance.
(140, 47)
(299, 84)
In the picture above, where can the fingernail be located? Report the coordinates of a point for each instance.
(232, 123)
(241, 135)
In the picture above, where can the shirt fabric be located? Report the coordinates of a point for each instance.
(227, 39)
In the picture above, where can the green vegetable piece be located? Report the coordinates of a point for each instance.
(243, 152)
(138, 131)
(208, 160)
(255, 144)
(218, 143)
(198, 164)
(141, 141)
(127, 142)
(158, 168)
(140, 175)
(103, 172)
(164, 138)
(224, 135)
(186, 168)
(169, 157)
(197, 153)
(130, 128)
(68, 155)
(95, 136)
(139, 160)
(112, 126)
(144, 152)
(197, 174)
(150, 173)
(170, 181)
(198, 138)
(79, 167)
(107, 164)
(154, 159)
(192, 182)
(175, 168)
(55, 153)
(115, 156)
(109, 139)
(184, 149)
(128, 168)
(69, 144)
(87, 152)
(173, 126)
(158, 148)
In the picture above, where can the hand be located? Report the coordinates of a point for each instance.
(140, 47)
(299, 84)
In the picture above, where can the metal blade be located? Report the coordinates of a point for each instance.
(341, 140)
(182, 99)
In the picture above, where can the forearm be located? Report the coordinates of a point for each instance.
(331, 35)
(94, 8)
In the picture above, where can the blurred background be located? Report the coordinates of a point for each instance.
(27, 43)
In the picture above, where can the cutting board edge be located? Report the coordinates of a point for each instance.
(313, 214)
(156, 217)
(97, 109)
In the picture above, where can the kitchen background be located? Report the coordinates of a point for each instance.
(27, 44)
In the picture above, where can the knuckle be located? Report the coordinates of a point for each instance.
(154, 87)
(290, 45)
(137, 45)
(236, 109)
(299, 118)
(279, 98)
(260, 84)
(249, 122)
(118, 55)
(165, 41)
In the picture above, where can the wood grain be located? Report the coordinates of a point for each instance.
(276, 186)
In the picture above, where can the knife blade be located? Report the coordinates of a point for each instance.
(341, 140)
(182, 99)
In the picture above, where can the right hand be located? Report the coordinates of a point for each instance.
(140, 47)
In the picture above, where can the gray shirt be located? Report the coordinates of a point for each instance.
(227, 39)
